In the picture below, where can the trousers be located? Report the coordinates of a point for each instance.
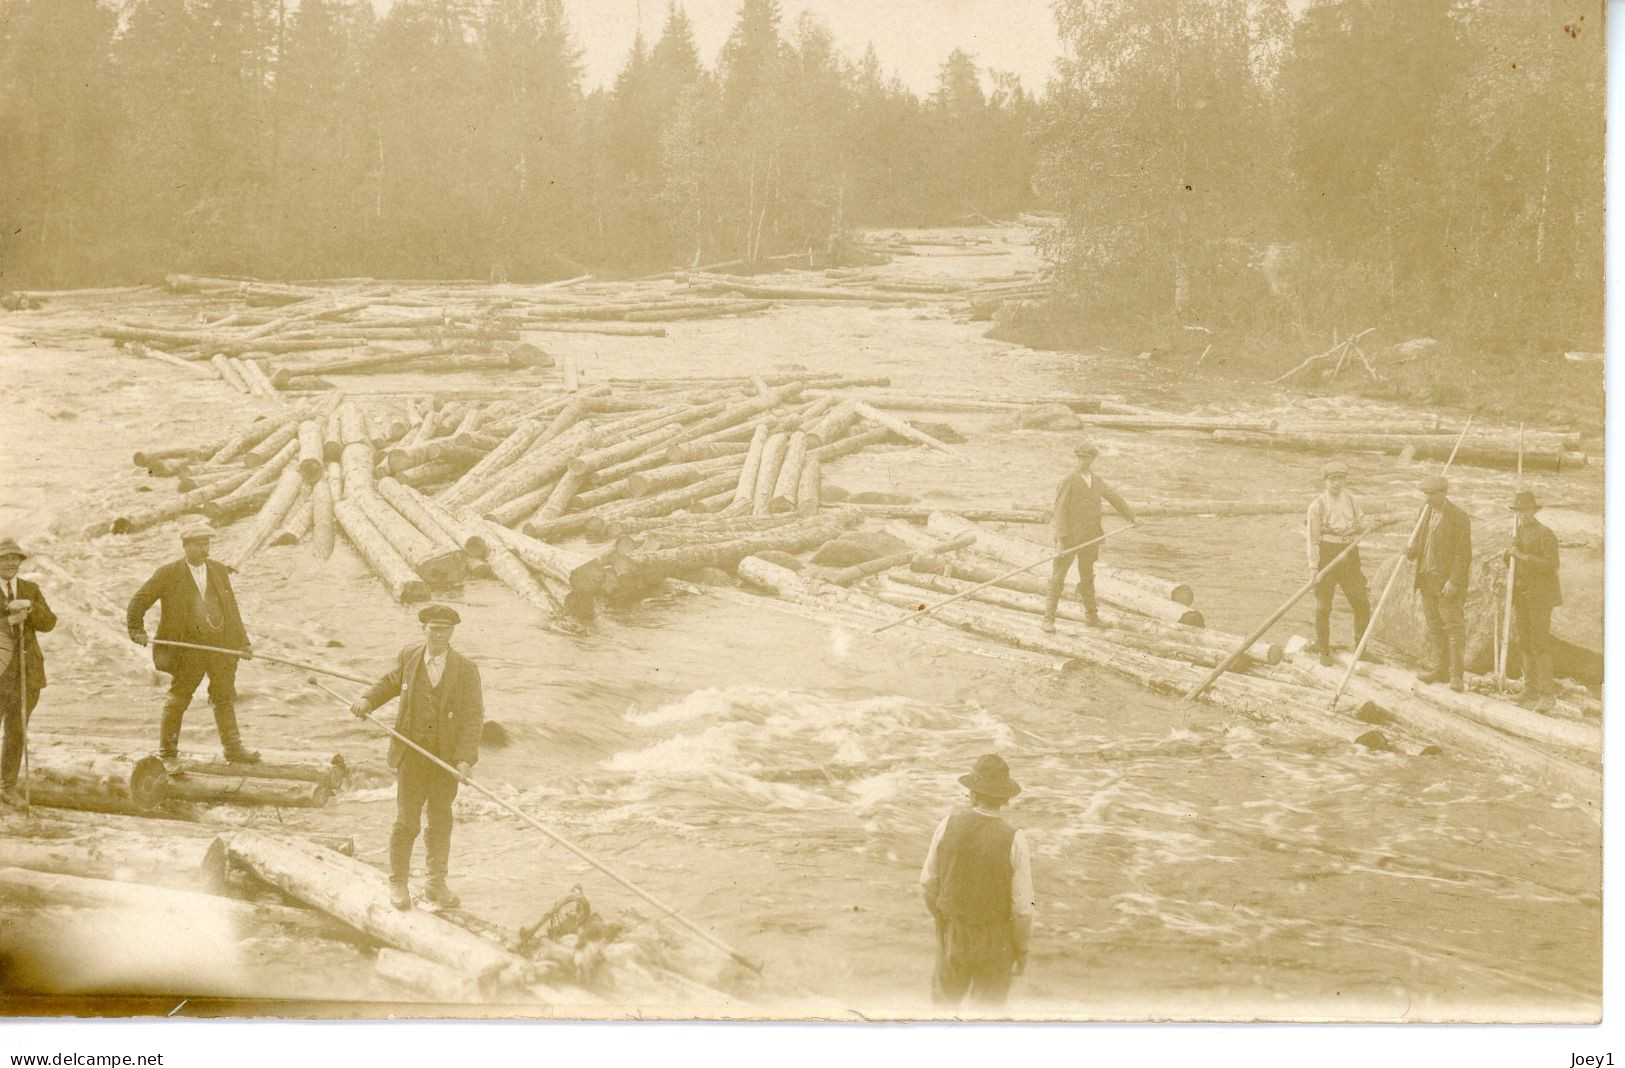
(1533, 626)
(973, 960)
(1086, 580)
(420, 785)
(13, 718)
(1348, 577)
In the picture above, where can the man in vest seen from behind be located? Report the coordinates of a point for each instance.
(978, 886)
(442, 709)
(197, 606)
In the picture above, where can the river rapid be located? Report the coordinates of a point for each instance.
(777, 778)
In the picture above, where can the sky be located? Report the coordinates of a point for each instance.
(912, 37)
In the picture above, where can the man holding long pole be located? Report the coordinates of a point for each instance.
(197, 607)
(1442, 547)
(442, 709)
(1334, 521)
(22, 668)
(1533, 563)
(1076, 521)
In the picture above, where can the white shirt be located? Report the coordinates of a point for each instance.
(434, 666)
(1335, 519)
(1021, 865)
(200, 576)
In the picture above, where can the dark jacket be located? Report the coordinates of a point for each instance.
(460, 709)
(1443, 550)
(181, 617)
(973, 862)
(40, 620)
(1077, 509)
(1534, 582)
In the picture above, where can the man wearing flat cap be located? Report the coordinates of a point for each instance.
(22, 668)
(1535, 592)
(978, 885)
(1076, 521)
(1442, 547)
(1334, 521)
(441, 709)
(198, 606)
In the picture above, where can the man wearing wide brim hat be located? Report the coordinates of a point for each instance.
(1533, 562)
(442, 709)
(22, 667)
(1443, 550)
(1335, 520)
(197, 606)
(1075, 522)
(978, 885)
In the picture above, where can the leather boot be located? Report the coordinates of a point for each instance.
(1456, 646)
(437, 847)
(1441, 660)
(400, 867)
(169, 731)
(225, 721)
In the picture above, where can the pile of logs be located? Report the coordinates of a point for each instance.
(566, 497)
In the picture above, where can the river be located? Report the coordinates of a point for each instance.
(1186, 864)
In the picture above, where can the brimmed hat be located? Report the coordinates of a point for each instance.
(991, 777)
(439, 613)
(1435, 484)
(1520, 500)
(9, 547)
(1334, 467)
(1085, 448)
(197, 528)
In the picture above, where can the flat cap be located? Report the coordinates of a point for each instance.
(439, 613)
(1435, 484)
(9, 547)
(1085, 448)
(1334, 467)
(196, 528)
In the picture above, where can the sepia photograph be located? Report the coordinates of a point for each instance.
(802, 510)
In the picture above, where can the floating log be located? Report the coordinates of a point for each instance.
(898, 427)
(469, 536)
(809, 492)
(322, 521)
(1421, 448)
(312, 454)
(409, 503)
(177, 861)
(359, 896)
(847, 575)
(94, 782)
(538, 468)
(673, 476)
(433, 981)
(298, 523)
(612, 453)
(793, 537)
(920, 513)
(215, 788)
(745, 488)
(438, 562)
(828, 454)
(767, 473)
(1585, 738)
(558, 498)
(282, 500)
(385, 562)
(199, 500)
(255, 376)
(596, 525)
(657, 529)
(229, 374)
(136, 348)
(273, 445)
(782, 497)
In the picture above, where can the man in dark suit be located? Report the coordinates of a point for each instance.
(198, 606)
(1443, 550)
(1077, 520)
(441, 709)
(1535, 592)
(23, 675)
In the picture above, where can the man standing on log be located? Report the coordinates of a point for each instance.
(1077, 520)
(1443, 550)
(1535, 592)
(442, 709)
(198, 606)
(1335, 520)
(22, 668)
(978, 885)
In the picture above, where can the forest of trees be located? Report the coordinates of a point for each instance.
(1431, 165)
(454, 138)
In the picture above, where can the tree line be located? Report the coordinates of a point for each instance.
(455, 138)
(1432, 165)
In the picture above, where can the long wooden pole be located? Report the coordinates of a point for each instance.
(266, 657)
(1504, 651)
(670, 912)
(1388, 587)
(922, 613)
(22, 709)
